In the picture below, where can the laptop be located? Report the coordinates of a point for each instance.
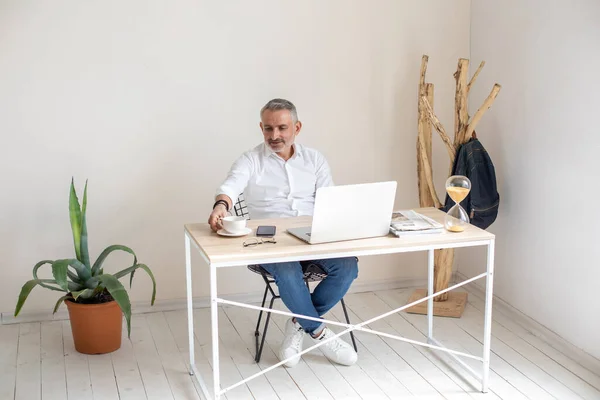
(350, 212)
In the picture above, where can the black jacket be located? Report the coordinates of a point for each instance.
(474, 162)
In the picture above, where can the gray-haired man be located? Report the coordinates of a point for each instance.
(279, 178)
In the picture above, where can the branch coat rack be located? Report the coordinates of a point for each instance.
(449, 304)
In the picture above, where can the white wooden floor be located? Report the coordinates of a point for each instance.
(38, 361)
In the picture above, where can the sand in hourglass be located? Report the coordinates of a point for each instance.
(457, 194)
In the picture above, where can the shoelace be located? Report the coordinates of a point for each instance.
(334, 344)
(297, 338)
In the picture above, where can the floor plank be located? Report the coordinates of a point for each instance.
(542, 336)
(367, 305)
(472, 324)
(280, 380)
(177, 321)
(534, 372)
(9, 343)
(376, 369)
(28, 386)
(77, 370)
(102, 377)
(306, 380)
(127, 370)
(260, 387)
(393, 362)
(458, 379)
(580, 380)
(327, 373)
(150, 364)
(452, 337)
(54, 382)
(229, 373)
(174, 366)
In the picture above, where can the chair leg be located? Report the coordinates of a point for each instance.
(256, 332)
(264, 335)
(348, 321)
(268, 288)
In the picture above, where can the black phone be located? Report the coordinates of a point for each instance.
(265, 230)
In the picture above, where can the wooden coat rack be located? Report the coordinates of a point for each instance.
(449, 304)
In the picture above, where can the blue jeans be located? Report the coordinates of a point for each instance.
(298, 299)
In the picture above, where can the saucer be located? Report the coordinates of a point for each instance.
(243, 232)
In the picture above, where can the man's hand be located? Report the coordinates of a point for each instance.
(215, 217)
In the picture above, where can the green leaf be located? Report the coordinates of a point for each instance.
(118, 292)
(27, 288)
(84, 272)
(98, 264)
(73, 277)
(38, 265)
(92, 283)
(59, 302)
(85, 255)
(42, 284)
(132, 269)
(73, 287)
(84, 294)
(59, 271)
(45, 283)
(75, 217)
(131, 278)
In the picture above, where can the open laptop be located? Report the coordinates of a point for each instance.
(350, 212)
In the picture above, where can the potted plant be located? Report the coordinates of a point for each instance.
(96, 300)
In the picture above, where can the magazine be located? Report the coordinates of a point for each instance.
(409, 222)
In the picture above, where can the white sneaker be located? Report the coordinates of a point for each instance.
(292, 343)
(336, 350)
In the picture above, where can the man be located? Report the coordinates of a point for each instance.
(279, 178)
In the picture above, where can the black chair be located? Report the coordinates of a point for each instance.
(312, 272)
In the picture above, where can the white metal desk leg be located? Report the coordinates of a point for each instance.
(214, 324)
(487, 329)
(190, 308)
(430, 273)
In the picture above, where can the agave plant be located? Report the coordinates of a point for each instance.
(82, 281)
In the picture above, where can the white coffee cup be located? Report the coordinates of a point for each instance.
(233, 224)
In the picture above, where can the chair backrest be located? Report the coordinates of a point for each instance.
(239, 208)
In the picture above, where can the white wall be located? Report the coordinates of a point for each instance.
(543, 137)
(152, 101)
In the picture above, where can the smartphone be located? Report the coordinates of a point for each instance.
(265, 230)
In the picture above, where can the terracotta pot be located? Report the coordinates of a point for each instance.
(96, 327)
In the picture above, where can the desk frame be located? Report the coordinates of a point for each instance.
(431, 341)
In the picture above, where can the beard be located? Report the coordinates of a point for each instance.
(276, 145)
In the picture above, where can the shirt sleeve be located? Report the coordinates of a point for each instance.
(237, 178)
(324, 177)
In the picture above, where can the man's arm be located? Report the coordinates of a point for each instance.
(324, 178)
(219, 211)
(234, 184)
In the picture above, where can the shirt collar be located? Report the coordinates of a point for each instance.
(297, 150)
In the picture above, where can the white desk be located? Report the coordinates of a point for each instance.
(221, 252)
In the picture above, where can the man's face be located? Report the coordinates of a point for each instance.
(279, 130)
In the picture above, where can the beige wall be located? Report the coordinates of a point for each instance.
(152, 101)
(544, 141)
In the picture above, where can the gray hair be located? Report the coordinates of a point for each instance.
(281, 104)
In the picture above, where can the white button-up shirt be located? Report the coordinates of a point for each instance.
(275, 188)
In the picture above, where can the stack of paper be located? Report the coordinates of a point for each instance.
(409, 222)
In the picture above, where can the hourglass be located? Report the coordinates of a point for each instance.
(458, 188)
